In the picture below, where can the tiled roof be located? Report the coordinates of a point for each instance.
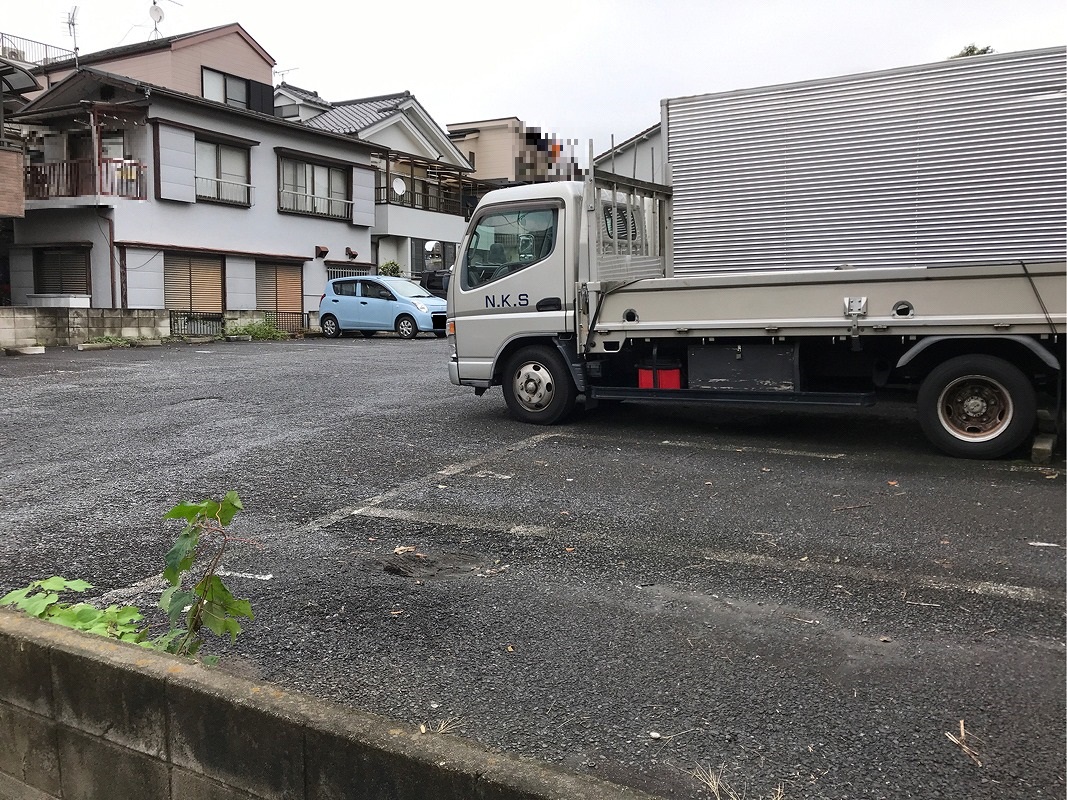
(353, 116)
(305, 94)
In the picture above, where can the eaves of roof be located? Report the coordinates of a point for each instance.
(637, 137)
(164, 43)
(39, 104)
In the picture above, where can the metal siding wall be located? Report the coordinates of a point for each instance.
(960, 161)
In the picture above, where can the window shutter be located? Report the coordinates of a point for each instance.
(192, 282)
(62, 272)
(280, 288)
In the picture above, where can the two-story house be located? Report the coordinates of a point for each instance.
(196, 199)
(423, 191)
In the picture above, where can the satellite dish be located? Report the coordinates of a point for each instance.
(156, 13)
(399, 187)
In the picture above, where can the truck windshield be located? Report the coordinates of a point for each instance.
(504, 242)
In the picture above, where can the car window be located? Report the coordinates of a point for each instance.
(373, 289)
(345, 288)
(408, 289)
(504, 242)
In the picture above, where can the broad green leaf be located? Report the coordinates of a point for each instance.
(16, 596)
(78, 585)
(231, 505)
(54, 584)
(128, 614)
(35, 606)
(211, 661)
(239, 608)
(212, 589)
(174, 601)
(186, 510)
(180, 557)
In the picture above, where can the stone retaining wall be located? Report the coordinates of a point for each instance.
(86, 717)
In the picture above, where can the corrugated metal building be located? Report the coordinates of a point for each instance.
(961, 161)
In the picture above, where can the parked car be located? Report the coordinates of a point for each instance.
(379, 303)
(435, 281)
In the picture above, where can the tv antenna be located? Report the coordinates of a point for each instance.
(72, 28)
(281, 73)
(156, 14)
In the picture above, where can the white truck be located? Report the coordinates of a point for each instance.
(820, 243)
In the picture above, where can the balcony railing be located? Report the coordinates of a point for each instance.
(302, 203)
(116, 177)
(424, 201)
(232, 192)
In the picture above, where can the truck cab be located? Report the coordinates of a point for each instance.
(514, 284)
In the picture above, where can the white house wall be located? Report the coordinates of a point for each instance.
(412, 222)
(240, 283)
(397, 137)
(66, 227)
(144, 278)
(240, 234)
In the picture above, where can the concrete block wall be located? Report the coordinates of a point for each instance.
(22, 326)
(83, 717)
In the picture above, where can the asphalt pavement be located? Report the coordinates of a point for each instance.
(807, 603)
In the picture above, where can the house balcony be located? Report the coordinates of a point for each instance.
(440, 202)
(110, 177)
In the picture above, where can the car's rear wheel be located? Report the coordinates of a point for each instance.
(330, 328)
(406, 327)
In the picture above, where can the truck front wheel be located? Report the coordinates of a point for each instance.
(977, 407)
(538, 386)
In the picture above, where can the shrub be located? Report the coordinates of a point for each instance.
(390, 268)
(257, 329)
(208, 603)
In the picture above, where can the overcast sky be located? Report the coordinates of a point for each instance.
(584, 69)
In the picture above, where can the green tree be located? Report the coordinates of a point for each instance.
(973, 50)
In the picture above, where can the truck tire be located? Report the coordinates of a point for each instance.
(977, 406)
(537, 386)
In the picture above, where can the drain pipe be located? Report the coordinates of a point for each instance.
(115, 301)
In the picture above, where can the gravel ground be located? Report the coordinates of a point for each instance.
(806, 600)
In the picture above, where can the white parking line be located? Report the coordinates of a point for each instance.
(448, 471)
(985, 588)
(455, 521)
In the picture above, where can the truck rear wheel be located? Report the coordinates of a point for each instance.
(538, 386)
(977, 407)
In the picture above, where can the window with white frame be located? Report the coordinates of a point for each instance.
(222, 173)
(317, 189)
(223, 88)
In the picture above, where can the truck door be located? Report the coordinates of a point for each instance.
(511, 284)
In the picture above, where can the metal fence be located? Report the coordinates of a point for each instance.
(289, 321)
(196, 323)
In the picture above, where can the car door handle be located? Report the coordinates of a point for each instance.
(363, 302)
(334, 300)
(549, 304)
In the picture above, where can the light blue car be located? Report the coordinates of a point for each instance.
(378, 303)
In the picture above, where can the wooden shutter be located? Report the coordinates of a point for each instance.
(192, 282)
(280, 288)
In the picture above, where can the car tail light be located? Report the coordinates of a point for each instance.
(322, 298)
